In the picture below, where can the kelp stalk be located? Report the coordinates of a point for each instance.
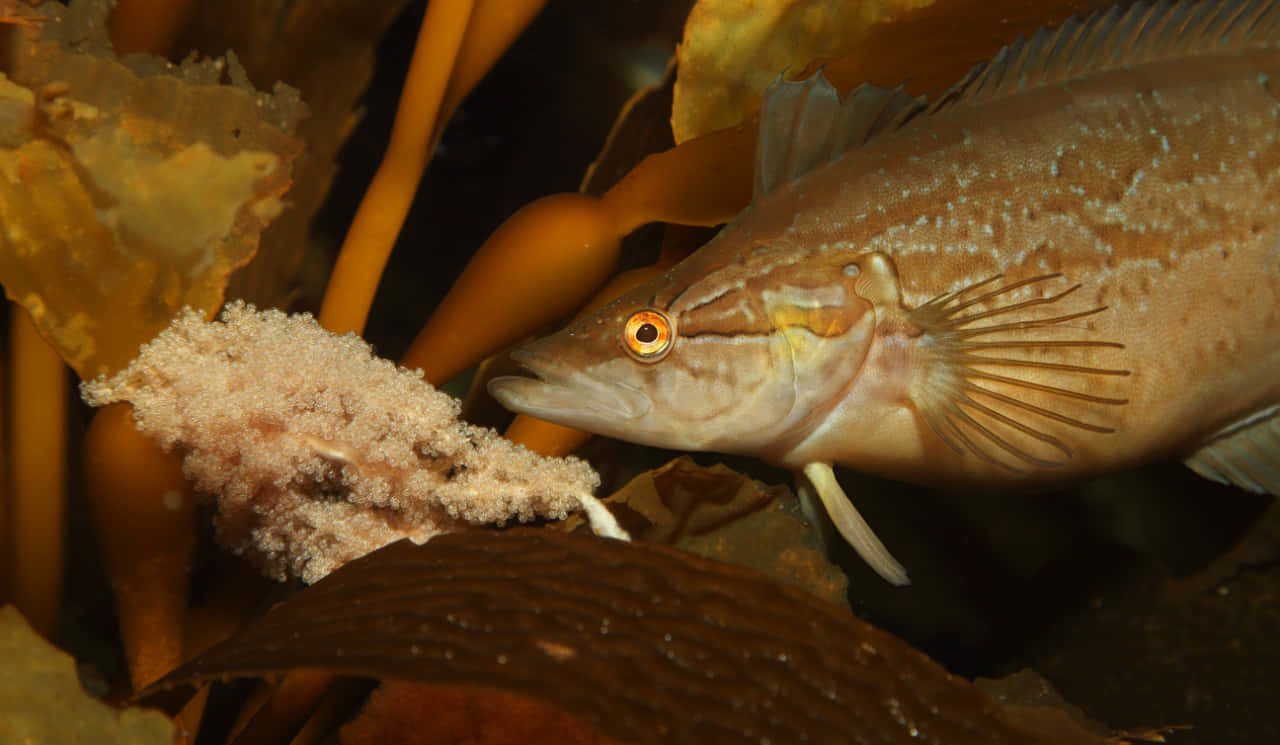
(539, 266)
(549, 258)
(382, 212)
(494, 25)
(37, 473)
(144, 512)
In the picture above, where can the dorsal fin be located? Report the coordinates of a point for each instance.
(804, 124)
(1121, 37)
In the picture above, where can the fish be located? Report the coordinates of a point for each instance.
(1065, 264)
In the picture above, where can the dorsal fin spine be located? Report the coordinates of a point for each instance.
(804, 124)
(1141, 33)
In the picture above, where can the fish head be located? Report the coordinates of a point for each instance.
(742, 358)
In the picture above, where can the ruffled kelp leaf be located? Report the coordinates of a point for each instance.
(733, 50)
(721, 514)
(41, 700)
(646, 643)
(128, 192)
(326, 50)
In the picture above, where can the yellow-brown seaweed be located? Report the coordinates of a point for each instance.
(127, 196)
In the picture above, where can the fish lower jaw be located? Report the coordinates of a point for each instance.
(564, 395)
(563, 404)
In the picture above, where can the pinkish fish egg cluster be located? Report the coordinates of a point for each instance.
(318, 452)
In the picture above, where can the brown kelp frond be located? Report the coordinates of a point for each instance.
(724, 650)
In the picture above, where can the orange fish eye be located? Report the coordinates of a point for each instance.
(648, 335)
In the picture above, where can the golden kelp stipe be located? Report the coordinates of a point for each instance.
(386, 202)
(144, 513)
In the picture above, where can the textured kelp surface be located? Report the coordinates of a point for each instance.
(647, 644)
(327, 51)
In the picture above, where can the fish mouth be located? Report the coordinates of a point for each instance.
(564, 394)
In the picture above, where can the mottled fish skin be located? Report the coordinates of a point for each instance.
(804, 332)
(1158, 192)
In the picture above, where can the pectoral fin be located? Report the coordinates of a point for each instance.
(851, 525)
(1246, 454)
(989, 389)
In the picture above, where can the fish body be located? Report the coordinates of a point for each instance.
(1067, 265)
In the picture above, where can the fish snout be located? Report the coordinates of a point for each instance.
(562, 393)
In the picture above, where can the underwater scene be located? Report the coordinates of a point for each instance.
(646, 371)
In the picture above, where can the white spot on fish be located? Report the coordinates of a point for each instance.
(1137, 178)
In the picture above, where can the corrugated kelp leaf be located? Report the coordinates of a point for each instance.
(646, 643)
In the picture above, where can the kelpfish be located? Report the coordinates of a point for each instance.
(1065, 264)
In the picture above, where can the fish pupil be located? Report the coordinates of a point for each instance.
(647, 333)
